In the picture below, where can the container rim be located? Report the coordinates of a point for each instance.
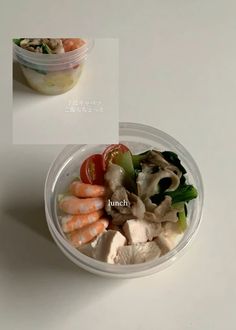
(125, 271)
(54, 59)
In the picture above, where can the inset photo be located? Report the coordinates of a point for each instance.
(65, 90)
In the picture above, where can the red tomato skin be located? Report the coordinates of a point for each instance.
(91, 171)
(107, 153)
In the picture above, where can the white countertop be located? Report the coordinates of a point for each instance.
(177, 73)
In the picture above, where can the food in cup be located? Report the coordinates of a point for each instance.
(127, 208)
(49, 45)
(51, 65)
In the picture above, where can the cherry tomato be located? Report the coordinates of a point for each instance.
(111, 152)
(92, 171)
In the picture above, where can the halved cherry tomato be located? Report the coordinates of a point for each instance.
(111, 152)
(92, 171)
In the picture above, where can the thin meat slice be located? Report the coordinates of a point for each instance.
(114, 176)
(161, 213)
(134, 207)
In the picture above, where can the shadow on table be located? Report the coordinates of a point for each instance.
(31, 216)
(36, 263)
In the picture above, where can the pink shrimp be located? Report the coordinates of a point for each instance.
(81, 189)
(73, 222)
(74, 205)
(86, 234)
(70, 44)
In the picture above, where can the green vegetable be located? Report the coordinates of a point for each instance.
(173, 158)
(46, 49)
(17, 41)
(124, 159)
(179, 206)
(137, 159)
(182, 222)
(182, 215)
(183, 193)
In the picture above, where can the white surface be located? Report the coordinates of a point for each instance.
(183, 84)
(71, 117)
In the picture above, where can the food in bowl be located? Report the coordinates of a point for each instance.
(127, 208)
(51, 65)
(49, 45)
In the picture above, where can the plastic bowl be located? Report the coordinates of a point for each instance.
(52, 74)
(66, 167)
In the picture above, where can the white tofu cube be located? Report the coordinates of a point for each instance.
(141, 231)
(137, 253)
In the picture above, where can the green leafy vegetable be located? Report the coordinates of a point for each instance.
(137, 159)
(182, 222)
(182, 215)
(124, 159)
(184, 193)
(179, 206)
(46, 49)
(17, 41)
(173, 158)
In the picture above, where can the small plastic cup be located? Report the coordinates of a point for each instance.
(52, 74)
(65, 169)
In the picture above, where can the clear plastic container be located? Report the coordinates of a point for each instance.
(52, 74)
(66, 167)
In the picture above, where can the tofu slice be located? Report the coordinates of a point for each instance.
(88, 249)
(141, 231)
(137, 253)
(107, 246)
(169, 237)
(104, 247)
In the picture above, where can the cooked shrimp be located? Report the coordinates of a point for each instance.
(73, 222)
(72, 43)
(81, 189)
(75, 205)
(86, 234)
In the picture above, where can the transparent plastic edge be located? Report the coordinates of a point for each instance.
(136, 270)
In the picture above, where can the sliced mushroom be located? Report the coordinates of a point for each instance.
(120, 195)
(24, 42)
(134, 207)
(162, 212)
(156, 158)
(114, 176)
(149, 205)
(118, 218)
(137, 206)
(35, 42)
(171, 216)
(148, 183)
(56, 46)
